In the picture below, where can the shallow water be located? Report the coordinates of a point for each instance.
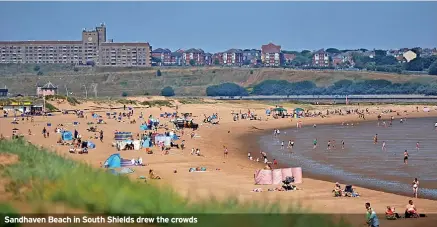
(362, 162)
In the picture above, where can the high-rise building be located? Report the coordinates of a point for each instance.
(94, 48)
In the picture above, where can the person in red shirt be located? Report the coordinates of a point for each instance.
(275, 162)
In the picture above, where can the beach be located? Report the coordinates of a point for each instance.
(224, 177)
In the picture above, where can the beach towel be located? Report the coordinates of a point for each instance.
(263, 176)
(277, 176)
(286, 172)
(297, 174)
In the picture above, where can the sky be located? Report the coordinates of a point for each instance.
(218, 26)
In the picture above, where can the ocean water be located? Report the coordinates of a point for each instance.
(363, 163)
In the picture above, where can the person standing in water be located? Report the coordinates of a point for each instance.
(314, 144)
(375, 139)
(329, 145)
(417, 146)
(415, 187)
(406, 157)
(342, 144)
(383, 146)
(282, 145)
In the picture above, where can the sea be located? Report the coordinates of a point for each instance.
(361, 162)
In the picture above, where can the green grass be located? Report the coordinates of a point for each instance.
(50, 107)
(158, 103)
(71, 100)
(55, 179)
(192, 101)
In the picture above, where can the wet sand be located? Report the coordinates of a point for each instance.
(377, 168)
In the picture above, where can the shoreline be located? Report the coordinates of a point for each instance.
(333, 121)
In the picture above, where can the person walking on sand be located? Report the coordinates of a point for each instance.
(406, 157)
(101, 136)
(417, 146)
(415, 187)
(44, 132)
(225, 152)
(383, 146)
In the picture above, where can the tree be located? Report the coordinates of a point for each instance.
(36, 68)
(216, 62)
(333, 51)
(192, 62)
(427, 61)
(433, 69)
(156, 60)
(167, 92)
(414, 65)
(158, 72)
(226, 89)
(380, 53)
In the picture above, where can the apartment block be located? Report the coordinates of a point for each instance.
(92, 49)
(271, 55)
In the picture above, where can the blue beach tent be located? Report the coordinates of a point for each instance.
(67, 135)
(114, 161)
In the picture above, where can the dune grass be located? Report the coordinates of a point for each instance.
(56, 179)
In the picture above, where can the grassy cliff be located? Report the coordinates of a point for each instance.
(185, 81)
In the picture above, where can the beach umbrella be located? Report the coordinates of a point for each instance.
(297, 110)
(15, 129)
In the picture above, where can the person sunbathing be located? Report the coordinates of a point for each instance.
(411, 211)
(152, 175)
(338, 192)
(72, 150)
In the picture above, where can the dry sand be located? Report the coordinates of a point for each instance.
(224, 178)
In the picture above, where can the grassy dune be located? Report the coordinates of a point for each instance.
(55, 179)
(185, 81)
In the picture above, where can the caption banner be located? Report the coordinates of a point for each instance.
(99, 220)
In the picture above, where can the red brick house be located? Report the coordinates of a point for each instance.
(233, 57)
(321, 58)
(288, 58)
(163, 54)
(176, 58)
(271, 55)
(217, 59)
(198, 55)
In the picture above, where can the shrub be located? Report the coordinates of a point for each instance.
(226, 89)
(433, 68)
(251, 71)
(76, 69)
(40, 73)
(158, 73)
(167, 91)
(124, 94)
(36, 68)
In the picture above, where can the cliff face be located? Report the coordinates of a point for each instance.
(185, 81)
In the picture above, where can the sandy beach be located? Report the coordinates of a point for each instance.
(225, 177)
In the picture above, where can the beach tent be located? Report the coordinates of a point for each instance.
(91, 145)
(67, 135)
(114, 161)
(146, 143)
(144, 127)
